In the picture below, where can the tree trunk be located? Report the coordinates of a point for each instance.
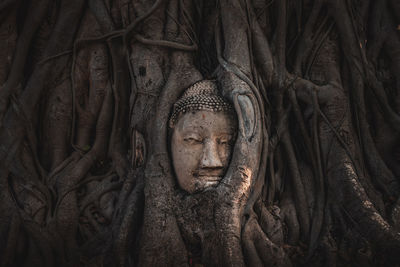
(87, 89)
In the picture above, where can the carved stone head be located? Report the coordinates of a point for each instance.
(203, 132)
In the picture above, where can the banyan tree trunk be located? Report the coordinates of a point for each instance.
(87, 89)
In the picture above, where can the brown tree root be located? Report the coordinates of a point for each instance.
(259, 250)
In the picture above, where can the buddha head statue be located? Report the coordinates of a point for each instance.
(203, 129)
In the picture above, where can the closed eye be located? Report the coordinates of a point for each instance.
(224, 140)
(193, 140)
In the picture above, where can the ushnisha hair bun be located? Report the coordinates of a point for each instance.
(203, 95)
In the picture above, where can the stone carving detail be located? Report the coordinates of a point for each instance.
(203, 127)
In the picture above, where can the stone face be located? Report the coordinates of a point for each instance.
(201, 147)
(203, 130)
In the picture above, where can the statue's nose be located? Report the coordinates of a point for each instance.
(210, 157)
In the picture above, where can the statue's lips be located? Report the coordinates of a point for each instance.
(210, 178)
(212, 172)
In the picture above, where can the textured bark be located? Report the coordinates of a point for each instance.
(86, 92)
